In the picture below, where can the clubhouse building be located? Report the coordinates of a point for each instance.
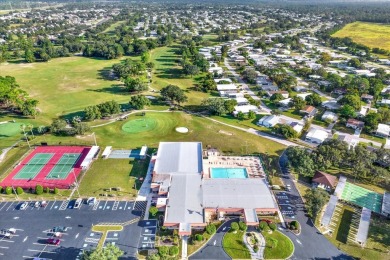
(195, 186)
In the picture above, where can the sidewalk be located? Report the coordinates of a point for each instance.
(184, 243)
(259, 254)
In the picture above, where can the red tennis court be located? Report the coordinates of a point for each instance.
(49, 166)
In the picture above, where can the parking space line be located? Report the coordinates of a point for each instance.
(105, 205)
(125, 206)
(53, 204)
(9, 206)
(41, 251)
(4, 247)
(115, 206)
(96, 205)
(4, 205)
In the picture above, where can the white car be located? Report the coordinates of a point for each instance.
(37, 204)
(78, 203)
(23, 206)
(91, 201)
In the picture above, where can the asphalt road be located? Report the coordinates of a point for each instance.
(33, 227)
(310, 244)
(211, 250)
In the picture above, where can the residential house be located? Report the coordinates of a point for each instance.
(285, 102)
(354, 124)
(245, 109)
(367, 98)
(331, 104)
(351, 140)
(308, 111)
(324, 181)
(329, 116)
(269, 121)
(298, 127)
(284, 94)
(316, 136)
(383, 130)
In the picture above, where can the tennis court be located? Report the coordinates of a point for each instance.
(34, 166)
(64, 166)
(49, 166)
(362, 197)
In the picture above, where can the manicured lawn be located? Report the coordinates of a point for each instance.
(370, 34)
(373, 138)
(111, 30)
(113, 173)
(167, 70)
(13, 156)
(65, 85)
(234, 245)
(378, 241)
(283, 249)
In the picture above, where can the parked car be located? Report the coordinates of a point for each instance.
(78, 203)
(266, 220)
(59, 229)
(5, 233)
(57, 234)
(24, 205)
(37, 204)
(91, 201)
(53, 241)
(43, 203)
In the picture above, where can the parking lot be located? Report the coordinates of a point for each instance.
(34, 227)
(286, 204)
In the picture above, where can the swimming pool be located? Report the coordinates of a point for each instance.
(235, 173)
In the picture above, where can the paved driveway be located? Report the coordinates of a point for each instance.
(310, 244)
(213, 249)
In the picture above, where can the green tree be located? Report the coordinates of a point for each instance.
(145, 57)
(109, 252)
(57, 126)
(199, 237)
(215, 106)
(263, 225)
(92, 113)
(38, 189)
(285, 130)
(371, 121)
(240, 115)
(153, 210)
(347, 111)
(8, 190)
(251, 115)
(190, 69)
(173, 250)
(234, 226)
(276, 97)
(211, 229)
(325, 58)
(242, 226)
(173, 94)
(55, 191)
(135, 85)
(19, 190)
(301, 160)
(354, 62)
(82, 128)
(272, 226)
(230, 105)
(315, 201)
(139, 102)
(298, 103)
(313, 99)
(29, 56)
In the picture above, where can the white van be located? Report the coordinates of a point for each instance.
(78, 203)
(91, 201)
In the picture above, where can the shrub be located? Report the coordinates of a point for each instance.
(38, 189)
(211, 229)
(8, 190)
(19, 190)
(263, 225)
(153, 257)
(294, 225)
(272, 226)
(163, 250)
(198, 237)
(47, 190)
(1, 189)
(174, 250)
(256, 248)
(56, 190)
(242, 226)
(153, 210)
(234, 226)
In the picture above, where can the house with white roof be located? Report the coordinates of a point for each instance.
(383, 130)
(316, 136)
(269, 121)
(329, 116)
(245, 109)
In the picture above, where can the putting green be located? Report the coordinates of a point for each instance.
(139, 125)
(9, 129)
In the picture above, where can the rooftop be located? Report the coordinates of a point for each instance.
(324, 178)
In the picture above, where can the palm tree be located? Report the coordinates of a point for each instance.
(23, 127)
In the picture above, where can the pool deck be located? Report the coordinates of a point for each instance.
(250, 163)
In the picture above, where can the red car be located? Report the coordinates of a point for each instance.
(53, 241)
(266, 220)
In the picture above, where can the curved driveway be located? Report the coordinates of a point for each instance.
(211, 250)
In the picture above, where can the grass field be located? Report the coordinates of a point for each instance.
(369, 34)
(283, 249)
(113, 173)
(168, 71)
(65, 85)
(234, 245)
(143, 124)
(9, 129)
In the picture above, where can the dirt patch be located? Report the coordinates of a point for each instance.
(224, 132)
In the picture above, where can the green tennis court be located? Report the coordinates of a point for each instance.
(64, 166)
(362, 197)
(33, 166)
